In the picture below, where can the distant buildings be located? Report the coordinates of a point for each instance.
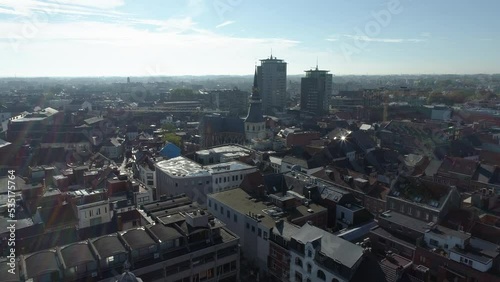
(272, 83)
(316, 89)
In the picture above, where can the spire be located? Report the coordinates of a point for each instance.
(255, 88)
(316, 63)
(271, 53)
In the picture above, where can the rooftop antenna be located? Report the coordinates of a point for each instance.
(271, 53)
(316, 63)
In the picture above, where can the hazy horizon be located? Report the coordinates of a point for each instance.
(121, 38)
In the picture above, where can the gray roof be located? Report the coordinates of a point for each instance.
(137, 238)
(165, 233)
(338, 249)
(108, 245)
(76, 254)
(41, 262)
(406, 221)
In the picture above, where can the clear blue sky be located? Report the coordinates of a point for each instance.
(172, 37)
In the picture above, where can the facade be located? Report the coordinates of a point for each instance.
(255, 125)
(91, 208)
(228, 175)
(272, 84)
(316, 89)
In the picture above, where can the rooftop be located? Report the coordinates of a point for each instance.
(165, 233)
(76, 254)
(406, 221)
(224, 150)
(239, 200)
(137, 238)
(108, 245)
(41, 262)
(182, 167)
(229, 166)
(443, 232)
(338, 249)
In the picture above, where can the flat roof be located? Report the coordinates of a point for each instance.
(224, 149)
(239, 200)
(406, 221)
(444, 232)
(379, 231)
(228, 166)
(181, 167)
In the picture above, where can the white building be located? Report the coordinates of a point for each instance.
(228, 175)
(461, 247)
(91, 208)
(181, 175)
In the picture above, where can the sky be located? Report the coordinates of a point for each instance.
(229, 37)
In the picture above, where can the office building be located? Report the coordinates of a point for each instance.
(316, 89)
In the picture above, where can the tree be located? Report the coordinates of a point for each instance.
(172, 138)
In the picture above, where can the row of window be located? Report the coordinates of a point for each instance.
(98, 212)
(224, 179)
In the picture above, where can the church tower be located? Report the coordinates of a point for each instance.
(255, 125)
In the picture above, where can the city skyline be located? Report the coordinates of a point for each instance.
(223, 37)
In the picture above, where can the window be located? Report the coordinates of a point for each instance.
(216, 182)
(309, 268)
(309, 253)
(248, 225)
(209, 203)
(433, 242)
(235, 218)
(298, 277)
(222, 210)
(298, 262)
(228, 213)
(265, 235)
(241, 176)
(253, 229)
(259, 232)
(98, 211)
(176, 184)
(208, 182)
(381, 240)
(215, 206)
(422, 259)
(409, 210)
(321, 275)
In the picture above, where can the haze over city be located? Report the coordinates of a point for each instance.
(152, 38)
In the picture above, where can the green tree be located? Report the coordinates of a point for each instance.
(172, 138)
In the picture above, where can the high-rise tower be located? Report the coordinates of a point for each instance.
(272, 83)
(315, 91)
(255, 125)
